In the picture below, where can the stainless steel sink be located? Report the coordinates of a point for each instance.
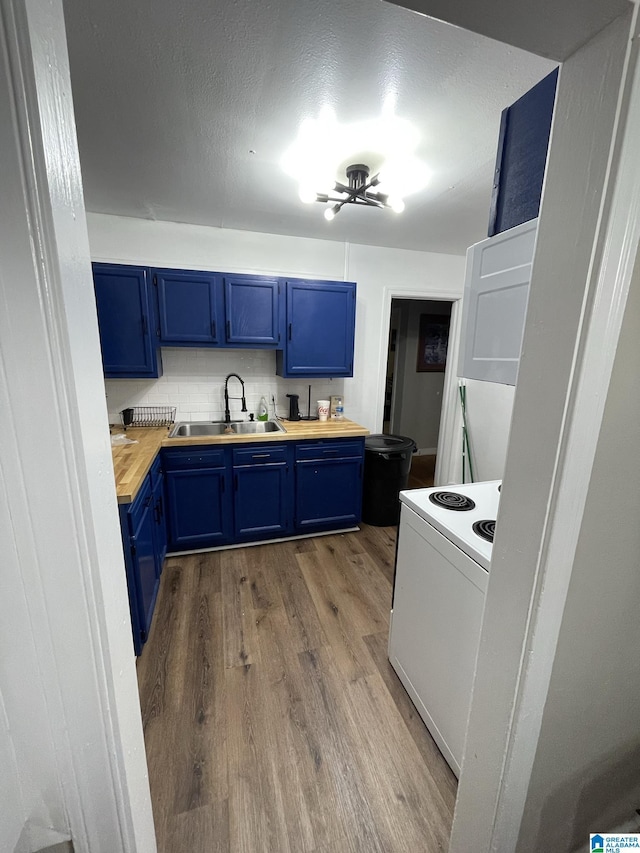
(200, 428)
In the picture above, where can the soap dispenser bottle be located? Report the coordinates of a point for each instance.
(263, 410)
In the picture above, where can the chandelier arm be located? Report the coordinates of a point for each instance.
(370, 202)
(379, 197)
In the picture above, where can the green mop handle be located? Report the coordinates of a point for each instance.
(466, 447)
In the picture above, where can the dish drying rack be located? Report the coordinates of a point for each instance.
(148, 416)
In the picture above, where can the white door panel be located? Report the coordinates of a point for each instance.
(495, 304)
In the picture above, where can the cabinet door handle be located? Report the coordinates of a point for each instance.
(222, 484)
(144, 325)
(148, 500)
(228, 330)
(213, 329)
(289, 331)
(156, 512)
(235, 482)
(261, 456)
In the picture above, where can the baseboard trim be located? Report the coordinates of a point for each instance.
(264, 542)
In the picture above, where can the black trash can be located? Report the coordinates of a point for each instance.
(387, 461)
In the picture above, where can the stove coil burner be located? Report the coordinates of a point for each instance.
(452, 500)
(485, 528)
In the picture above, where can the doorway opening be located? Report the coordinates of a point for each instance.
(414, 381)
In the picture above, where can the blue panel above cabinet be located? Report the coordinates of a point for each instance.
(521, 159)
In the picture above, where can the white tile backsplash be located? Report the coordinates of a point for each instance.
(193, 382)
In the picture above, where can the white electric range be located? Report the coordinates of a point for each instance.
(442, 568)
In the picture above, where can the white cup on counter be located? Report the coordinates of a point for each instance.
(323, 410)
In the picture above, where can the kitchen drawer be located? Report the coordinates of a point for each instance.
(260, 454)
(193, 457)
(329, 449)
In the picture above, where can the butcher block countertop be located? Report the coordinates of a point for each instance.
(132, 462)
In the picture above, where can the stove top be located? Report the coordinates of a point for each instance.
(452, 500)
(465, 514)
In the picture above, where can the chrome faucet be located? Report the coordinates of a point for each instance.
(227, 413)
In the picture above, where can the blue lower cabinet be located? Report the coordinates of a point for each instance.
(159, 514)
(199, 508)
(328, 493)
(263, 492)
(241, 493)
(138, 524)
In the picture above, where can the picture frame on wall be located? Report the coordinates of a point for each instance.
(433, 339)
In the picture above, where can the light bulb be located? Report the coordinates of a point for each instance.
(329, 214)
(307, 194)
(396, 204)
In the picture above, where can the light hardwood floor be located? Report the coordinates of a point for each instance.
(273, 720)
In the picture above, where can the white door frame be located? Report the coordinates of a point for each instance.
(588, 239)
(96, 719)
(449, 391)
(62, 553)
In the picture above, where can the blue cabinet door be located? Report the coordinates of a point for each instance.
(320, 327)
(262, 502)
(159, 515)
(189, 307)
(199, 511)
(328, 493)
(126, 321)
(252, 310)
(142, 542)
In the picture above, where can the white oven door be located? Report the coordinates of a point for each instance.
(435, 629)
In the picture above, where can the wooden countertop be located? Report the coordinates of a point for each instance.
(132, 462)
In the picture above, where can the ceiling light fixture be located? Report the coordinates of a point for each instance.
(377, 156)
(358, 190)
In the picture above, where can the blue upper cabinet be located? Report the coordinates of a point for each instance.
(190, 307)
(252, 311)
(126, 321)
(320, 327)
(522, 157)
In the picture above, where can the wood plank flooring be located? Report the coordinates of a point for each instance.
(273, 720)
(422, 472)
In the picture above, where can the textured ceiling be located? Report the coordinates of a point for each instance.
(171, 97)
(553, 28)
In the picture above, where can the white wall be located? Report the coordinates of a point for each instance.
(586, 775)
(489, 407)
(193, 382)
(124, 240)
